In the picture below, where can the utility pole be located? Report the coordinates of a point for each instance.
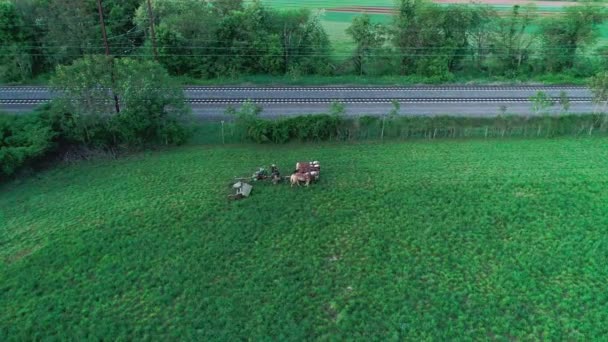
(151, 18)
(105, 43)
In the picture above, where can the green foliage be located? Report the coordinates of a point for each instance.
(23, 139)
(541, 102)
(564, 101)
(15, 58)
(205, 39)
(337, 109)
(70, 29)
(445, 241)
(599, 88)
(563, 36)
(301, 128)
(228, 39)
(314, 128)
(368, 37)
(152, 107)
(512, 42)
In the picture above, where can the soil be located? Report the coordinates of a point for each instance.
(389, 10)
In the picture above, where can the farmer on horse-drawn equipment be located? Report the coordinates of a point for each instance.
(261, 174)
(275, 174)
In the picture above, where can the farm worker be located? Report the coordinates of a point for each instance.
(274, 170)
(260, 174)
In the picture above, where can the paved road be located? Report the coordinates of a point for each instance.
(211, 102)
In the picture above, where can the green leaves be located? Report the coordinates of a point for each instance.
(152, 105)
(564, 36)
(541, 102)
(599, 88)
(23, 139)
(368, 37)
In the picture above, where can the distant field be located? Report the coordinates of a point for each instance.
(338, 14)
(443, 240)
(542, 5)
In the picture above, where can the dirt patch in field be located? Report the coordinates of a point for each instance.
(510, 2)
(363, 9)
(20, 255)
(389, 10)
(506, 3)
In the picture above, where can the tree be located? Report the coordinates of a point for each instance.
(511, 40)
(483, 19)
(563, 36)
(540, 102)
(153, 107)
(368, 37)
(456, 26)
(431, 40)
(406, 29)
(70, 29)
(15, 45)
(123, 33)
(564, 101)
(337, 109)
(185, 33)
(305, 43)
(599, 89)
(247, 43)
(390, 116)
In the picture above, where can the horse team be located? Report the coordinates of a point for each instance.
(306, 172)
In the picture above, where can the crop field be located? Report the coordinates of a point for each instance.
(337, 15)
(443, 240)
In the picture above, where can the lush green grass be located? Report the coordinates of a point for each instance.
(449, 240)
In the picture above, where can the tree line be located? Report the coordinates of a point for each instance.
(439, 41)
(228, 38)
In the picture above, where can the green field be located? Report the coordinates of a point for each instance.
(336, 23)
(443, 240)
(313, 4)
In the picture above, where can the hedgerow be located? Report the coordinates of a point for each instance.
(248, 126)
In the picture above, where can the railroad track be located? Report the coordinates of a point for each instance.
(332, 100)
(35, 89)
(381, 89)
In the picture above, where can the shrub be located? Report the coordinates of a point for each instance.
(152, 108)
(303, 128)
(23, 139)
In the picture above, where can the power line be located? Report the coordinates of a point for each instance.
(308, 55)
(262, 49)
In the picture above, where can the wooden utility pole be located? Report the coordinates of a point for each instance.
(153, 35)
(105, 43)
(103, 27)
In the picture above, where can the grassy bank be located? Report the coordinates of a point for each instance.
(315, 128)
(312, 80)
(442, 240)
(550, 79)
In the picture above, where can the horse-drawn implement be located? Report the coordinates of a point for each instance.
(305, 173)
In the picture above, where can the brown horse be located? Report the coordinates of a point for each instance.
(296, 178)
